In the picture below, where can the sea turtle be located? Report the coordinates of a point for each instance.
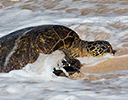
(24, 46)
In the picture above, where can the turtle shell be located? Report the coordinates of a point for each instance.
(23, 46)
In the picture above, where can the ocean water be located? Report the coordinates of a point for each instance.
(92, 20)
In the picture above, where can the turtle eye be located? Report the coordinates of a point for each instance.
(107, 50)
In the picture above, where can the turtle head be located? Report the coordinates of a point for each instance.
(96, 48)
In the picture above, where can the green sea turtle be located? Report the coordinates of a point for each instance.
(24, 46)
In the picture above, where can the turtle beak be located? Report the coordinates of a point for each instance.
(113, 52)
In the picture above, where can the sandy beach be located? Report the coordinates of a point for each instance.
(112, 64)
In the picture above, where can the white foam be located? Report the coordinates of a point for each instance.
(45, 64)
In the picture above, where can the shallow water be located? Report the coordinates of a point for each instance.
(92, 20)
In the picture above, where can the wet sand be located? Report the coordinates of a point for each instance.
(112, 64)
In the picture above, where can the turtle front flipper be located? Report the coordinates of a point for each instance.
(71, 65)
(71, 62)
